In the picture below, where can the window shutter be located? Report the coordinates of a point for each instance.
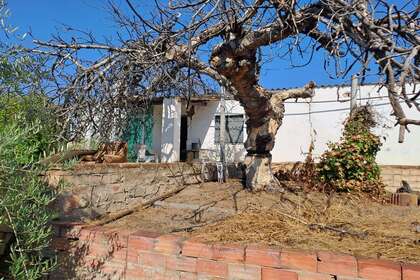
(234, 130)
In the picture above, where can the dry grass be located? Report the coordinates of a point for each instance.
(365, 228)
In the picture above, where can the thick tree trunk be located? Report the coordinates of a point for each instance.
(264, 109)
(259, 175)
(260, 142)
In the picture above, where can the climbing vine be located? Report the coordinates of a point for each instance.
(350, 164)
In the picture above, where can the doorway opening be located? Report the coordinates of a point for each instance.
(183, 138)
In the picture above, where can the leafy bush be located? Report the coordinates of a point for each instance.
(27, 129)
(24, 202)
(23, 109)
(350, 164)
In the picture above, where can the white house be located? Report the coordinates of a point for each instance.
(177, 136)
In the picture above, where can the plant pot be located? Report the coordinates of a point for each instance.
(6, 235)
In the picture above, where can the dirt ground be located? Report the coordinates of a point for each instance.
(229, 214)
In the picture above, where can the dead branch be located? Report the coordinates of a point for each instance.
(64, 156)
(316, 226)
(138, 207)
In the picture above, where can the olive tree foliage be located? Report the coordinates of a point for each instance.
(27, 129)
(223, 40)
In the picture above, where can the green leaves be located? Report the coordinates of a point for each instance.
(34, 110)
(24, 200)
(27, 130)
(350, 164)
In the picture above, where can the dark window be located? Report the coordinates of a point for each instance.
(234, 129)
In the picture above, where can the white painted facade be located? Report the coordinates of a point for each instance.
(322, 120)
(326, 120)
(201, 129)
(170, 132)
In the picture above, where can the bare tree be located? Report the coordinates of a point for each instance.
(223, 40)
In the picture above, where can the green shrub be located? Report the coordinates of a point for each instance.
(23, 109)
(27, 130)
(350, 164)
(24, 202)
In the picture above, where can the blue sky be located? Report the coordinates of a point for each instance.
(46, 17)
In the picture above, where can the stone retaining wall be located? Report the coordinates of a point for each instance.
(91, 190)
(96, 253)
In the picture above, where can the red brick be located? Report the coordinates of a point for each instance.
(168, 275)
(337, 264)
(93, 263)
(113, 268)
(133, 256)
(169, 244)
(89, 233)
(119, 254)
(244, 271)
(233, 253)
(98, 249)
(98, 234)
(410, 272)
(195, 248)
(262, 255)
(151, 259)
(277, 274)
(298, 259)
(206, 277)
(142, 240)
(187, 276)
(212, 268)
(181, 263)
(85, 261)
(122, 235)
(155, 273)
(314, 276)
(379, 269)
(134, 272)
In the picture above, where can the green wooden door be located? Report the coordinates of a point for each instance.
(139, 130)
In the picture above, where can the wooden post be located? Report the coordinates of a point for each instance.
(222, 130)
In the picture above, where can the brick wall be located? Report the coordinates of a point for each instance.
(393, 174)
(95, 253)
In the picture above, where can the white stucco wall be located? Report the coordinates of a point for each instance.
(294, 136)
(201, 129)
(171, 128)
(329, 109)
